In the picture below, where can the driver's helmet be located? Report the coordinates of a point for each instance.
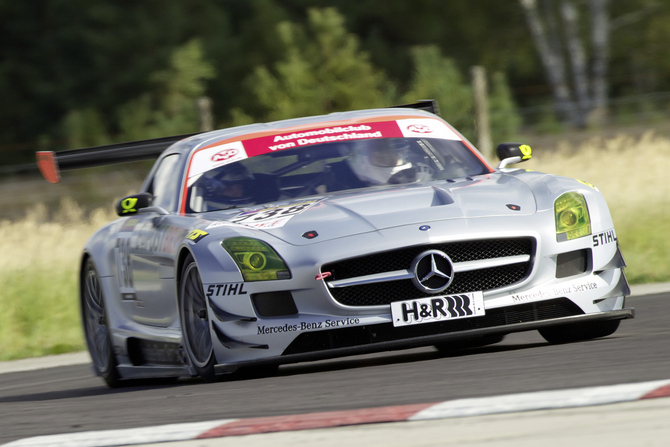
(387, 161)
(230, 185)
(377, 161)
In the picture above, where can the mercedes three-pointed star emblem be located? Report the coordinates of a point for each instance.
(433, 271)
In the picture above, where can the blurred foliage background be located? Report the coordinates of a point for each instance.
(79, 73)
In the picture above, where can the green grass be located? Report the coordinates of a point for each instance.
(632, 175)
(645, 244)
(39, 313)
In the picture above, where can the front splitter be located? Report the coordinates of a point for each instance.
(416, 342)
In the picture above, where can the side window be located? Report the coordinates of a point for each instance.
(165, 184)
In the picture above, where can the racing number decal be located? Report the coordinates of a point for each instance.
(526, 151)
(268, 214)
(273, 217)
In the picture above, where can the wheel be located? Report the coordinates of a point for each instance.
(195, 322)
(96, 326)
(577, 332)
(452, 346)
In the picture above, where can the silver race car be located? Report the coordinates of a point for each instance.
(328, 236)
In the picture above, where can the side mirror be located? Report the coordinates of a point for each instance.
(131, 204)
(510, 153)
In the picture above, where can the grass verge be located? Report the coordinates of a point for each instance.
(39, 312)
(631, 172)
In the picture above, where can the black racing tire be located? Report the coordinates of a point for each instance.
(570, 333)
(451, 346)
(195, 325)
(96, 326)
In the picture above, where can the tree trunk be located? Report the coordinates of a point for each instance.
(204, 105)
(554, 65)
(577, 61)
(600, 42)
(482, 126)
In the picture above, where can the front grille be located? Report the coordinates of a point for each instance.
(388, 292)
(366, 335)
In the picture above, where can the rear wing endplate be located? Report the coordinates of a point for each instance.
(428, 105)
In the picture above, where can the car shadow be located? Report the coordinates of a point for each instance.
(391, 358)
(92, 391)
(346, 363)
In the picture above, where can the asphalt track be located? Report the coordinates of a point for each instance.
(68, 399)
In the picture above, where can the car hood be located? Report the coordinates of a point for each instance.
(355, 212)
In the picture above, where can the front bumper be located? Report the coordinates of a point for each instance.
(324, 327)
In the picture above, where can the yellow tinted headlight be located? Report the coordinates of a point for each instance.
(572, 217)
(256, 260)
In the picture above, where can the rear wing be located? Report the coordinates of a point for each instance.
(51, 163)
(428, 105)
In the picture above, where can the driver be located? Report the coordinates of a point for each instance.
(386, 161)
(229, 185)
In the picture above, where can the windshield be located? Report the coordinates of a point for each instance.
(329, 167)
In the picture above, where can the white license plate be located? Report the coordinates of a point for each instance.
(437, 308)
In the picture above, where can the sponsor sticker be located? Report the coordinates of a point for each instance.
(225, 154)
(426, 128)
(195, 235)
(329, 134)
(419, 128)
(129, 225)
(226, 289)
(555, 291)
(164, 239)
(308, 326)
(606, 237)
(273, 217)
(207, 159)
(128, 205)
(438, 308)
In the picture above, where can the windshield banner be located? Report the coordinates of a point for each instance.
(331, 134)
(220, 154)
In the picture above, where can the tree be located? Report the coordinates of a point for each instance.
(504, 117)
(437, 77)
(84, 128)
(170, 109)
(322, 71)
(587, 95)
